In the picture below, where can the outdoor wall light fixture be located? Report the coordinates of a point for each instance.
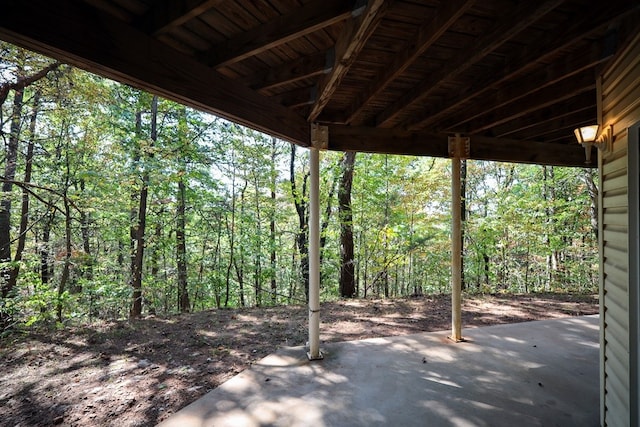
(590, 136)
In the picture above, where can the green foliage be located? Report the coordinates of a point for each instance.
(528, 228)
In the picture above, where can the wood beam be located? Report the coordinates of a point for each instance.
(550, 46)
(554, 94)
(395, 141)
(577, 62)
(523, 151)
(389, 141)
(297, 98)
(314, 16)
(165, 15)
(509, 26)
(445, 15)
(293, 71)
(112, 9)
(532, 125)
(75, 33)
(348, 47)
(562, 130)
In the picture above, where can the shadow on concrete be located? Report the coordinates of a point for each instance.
(541, 373)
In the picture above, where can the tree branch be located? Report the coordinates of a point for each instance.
(25, 81)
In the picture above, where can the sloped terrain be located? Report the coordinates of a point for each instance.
(137, 373)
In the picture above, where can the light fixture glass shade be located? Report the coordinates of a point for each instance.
(587, 133)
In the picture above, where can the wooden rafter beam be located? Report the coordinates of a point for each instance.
(564, 133)
(584, 103)
(314, 16)
(297, 98)
(551, 45)
(112, 9)
(523, 151)
(390, 141)
(554, 94)
(444, 17)
(348, 46)
(572, 65)
(506, 28)
(394, 141)
(163, 15)
(293, 71)
(560, 127)
(73, 32)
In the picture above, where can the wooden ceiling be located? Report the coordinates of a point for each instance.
(517, 76)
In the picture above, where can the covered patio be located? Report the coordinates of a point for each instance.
(493, 80)
(526, 374)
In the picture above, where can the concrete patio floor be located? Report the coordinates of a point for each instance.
(542, 373)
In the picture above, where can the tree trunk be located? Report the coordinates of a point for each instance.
(155, 253)
(240, 269)
(11, 159)
(463, 217)
(486, 269)
(24, 214)
(181, 249)
(257, 273)
(347, 268)
(216, 259)
(593, 197)
(326, 218)
(231, 230)
(46, 267)
(136, 303)
(87, 271)
(231, 235)
(302, 238)
(272, 225)
(11, 155)
(549, 194)
(139, 241)
(66, 267)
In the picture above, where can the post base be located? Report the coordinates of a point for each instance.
(456, 340)
(311, 357)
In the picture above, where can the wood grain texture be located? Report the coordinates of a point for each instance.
(300, 68)
(445, 16)
(506, 27)
(546, 97)
(393, 141)
(575, 29)
(167, 14)
(348, 47)
(313, 17)
(77, 34)
(573, 64)
(495, 68)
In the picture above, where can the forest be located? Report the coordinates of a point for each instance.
(116, 203)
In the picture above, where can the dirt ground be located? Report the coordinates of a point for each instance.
(139, 373)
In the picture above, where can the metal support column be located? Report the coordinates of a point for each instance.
(318, 138)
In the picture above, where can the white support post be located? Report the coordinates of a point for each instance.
(314, 243)
(456, 249)
(458, 148)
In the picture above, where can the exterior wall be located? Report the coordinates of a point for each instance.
(619, 106)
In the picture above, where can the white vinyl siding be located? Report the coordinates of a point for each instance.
(620, 107)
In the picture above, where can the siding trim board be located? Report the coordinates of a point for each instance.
(634, 280)
(601, 269)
